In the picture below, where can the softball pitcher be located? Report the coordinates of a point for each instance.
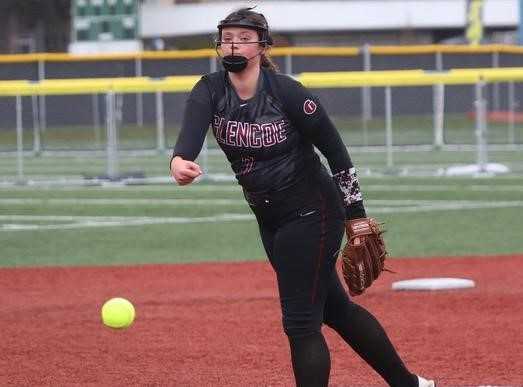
(267, 124)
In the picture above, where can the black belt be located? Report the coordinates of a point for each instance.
(269, 198)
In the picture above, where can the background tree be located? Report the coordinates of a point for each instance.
(44, 23)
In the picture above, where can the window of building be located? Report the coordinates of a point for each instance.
(82, 35)
(106, 26)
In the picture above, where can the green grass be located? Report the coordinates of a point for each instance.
(429, 231)
(407, 130)
(156, 164)
(419, 130)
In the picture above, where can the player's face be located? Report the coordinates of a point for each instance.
(242, 41)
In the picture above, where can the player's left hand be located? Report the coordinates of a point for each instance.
(363, 256)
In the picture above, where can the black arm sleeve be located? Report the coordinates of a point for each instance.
(309, 116)
(196, 119)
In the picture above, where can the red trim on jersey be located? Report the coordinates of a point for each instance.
(321, 251)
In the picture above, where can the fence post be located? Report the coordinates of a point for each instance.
(439, 113)
(138, 71)
(160, 122)
(366, 95)
(388, 126)
(439, 61)
(288, 64)
(19, 140)
(36, 125)
(481, 127)
(43, 107)
(213, 65)
(512, 105)
(112, 137)
(495, 86)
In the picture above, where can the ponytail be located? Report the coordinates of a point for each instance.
(267, 62)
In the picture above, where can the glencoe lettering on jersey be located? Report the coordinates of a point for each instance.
(247, 134)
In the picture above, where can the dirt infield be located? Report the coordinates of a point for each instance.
(219, 325)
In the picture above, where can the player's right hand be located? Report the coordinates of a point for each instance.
(184, 171)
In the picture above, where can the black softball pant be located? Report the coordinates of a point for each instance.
(302, 235)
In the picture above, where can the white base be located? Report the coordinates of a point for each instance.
(433, 284)
(476, 169)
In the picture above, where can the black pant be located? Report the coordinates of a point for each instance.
(301, 230)
(302, 234)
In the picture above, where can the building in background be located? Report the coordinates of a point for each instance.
(191, 24)
(82, 26)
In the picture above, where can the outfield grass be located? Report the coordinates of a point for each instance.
(419, 130)
(406, 130)
(157, 164)
(424, 217)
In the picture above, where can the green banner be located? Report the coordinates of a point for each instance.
(104, 20)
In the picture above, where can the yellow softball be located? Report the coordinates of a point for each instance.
(118, 313)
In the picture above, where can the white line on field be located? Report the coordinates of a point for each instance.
(445, 206)
(442, 188)
(123, 202)
(437, 204)
(109, 221)
(421, 187)
(76, 222)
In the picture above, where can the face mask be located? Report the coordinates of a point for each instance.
(234, 63)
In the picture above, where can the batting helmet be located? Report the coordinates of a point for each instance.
(246, 18)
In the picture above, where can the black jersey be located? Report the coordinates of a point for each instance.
(269, 139)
